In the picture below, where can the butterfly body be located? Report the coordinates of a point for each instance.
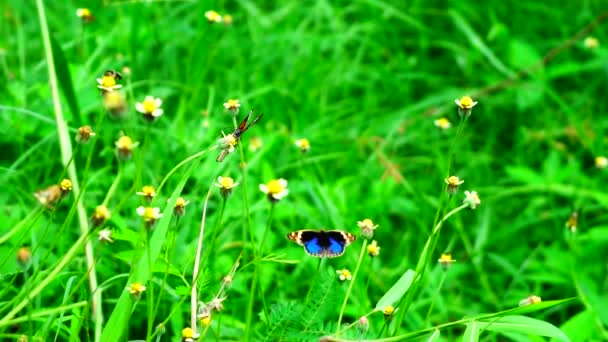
(322, 243)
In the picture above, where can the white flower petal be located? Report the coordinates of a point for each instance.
(141, 210)
(140, 107)
(283, 182)
(264, 188)
(158, 102)
(157, 112)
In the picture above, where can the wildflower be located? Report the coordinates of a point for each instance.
(188, 335)
(125, 146)
(465, 106)
(105, 235)
(232, 106)
(226, 184)
(147, 192)
(227, 19)
(24, 256)
(255, 144)
(344, 274)
(216, 304)
(180, 206)
(213, 17)
(49, 196)
(126, 70)
(276, 189)
(107, 83)
(100, 215)
(85, 15)
(601, 162)
(453, 183)
(66, 186)
(446, 260)
(388, 312)
(591, 43)
(373, 249)
(115, 103)
(471, 199)
(84, 134)
(136, 289)
(150, 108)
(530, 300)
(442, 123)
(363, 324)
(572, 222)
(149, 214)
(367, 228)
(205, 320)
(303, 145)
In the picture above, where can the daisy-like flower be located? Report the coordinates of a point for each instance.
(188, 335)
(136, 289)
(107, 83)
(150, 108)
(446, 260)
(100, 215)
(591, 43)
(205, 321)
(465, 106)
(232, 106)
(344, 275)
(367, 228)
(453, 183)
(227, 19)
(303, 144)
(255, 144)
(363, 324)
(471, 199)
(24, 255)
(125, 146)
(180, 206)
(572, 222)
(115, 103)
(276, 189)
(49, 196)
(530, 300)
(442, 123)
(126, 70)
(84, 134)
(85, 15)
(226, 184)
(149, 214)
(373, 249)
(105, 235)
(389, 312)
(148, 192)
(601, 162)
(213, 17)
(66, 186)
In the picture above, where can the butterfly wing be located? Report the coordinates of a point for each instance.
(322, 244)
(336, 242)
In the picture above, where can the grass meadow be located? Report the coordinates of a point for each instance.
(119, 224)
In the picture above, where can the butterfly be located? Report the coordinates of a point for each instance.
(322, 243)
(243, 126)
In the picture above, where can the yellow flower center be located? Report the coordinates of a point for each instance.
(137, 288)
(101, 212)
(226, 182)
(205, 321)
(446, 258)
(443, 123)
(274, 186)
(66, 185)
(303, 144)
(388, 310)
(180, 202)
(149, 105)
(187, 333)
(124, 143)
(373, 249)
(149, 214)
(454, 181)
(466, 102)
(108, 81)
(148, 191)
(83, 12)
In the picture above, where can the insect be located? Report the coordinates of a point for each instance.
(114, 74)
(322, 243)
(230, 140)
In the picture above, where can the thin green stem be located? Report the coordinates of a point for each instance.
(150, 289)
(350, 285)
(428, 313)
(182, 163)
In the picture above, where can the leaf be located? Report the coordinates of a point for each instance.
(434, 336)
(524, 325)
(394, 294)
(525, 175)
(65, 81)
(472, 332)
(577, 327)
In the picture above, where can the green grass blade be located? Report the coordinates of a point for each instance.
(524, 325)
(394, 294)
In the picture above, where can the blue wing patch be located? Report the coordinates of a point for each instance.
(322, 244)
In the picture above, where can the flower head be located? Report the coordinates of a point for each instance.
(115, 103)
(66, 186)
(572, 222)
(149, 214)
(373, 249)
(105, 235)
(107, 82)
(227, 144)
(601, 162)
(255, 144)
(227, 19)
(100, 215)
(446, 260)
(471, 199)
(530, 300)
(24, 256)
(276, 189)
(125, 146)
(85, 15)
(367, 228)
(465, 106)
(232, 106)
(84, 134)
(180, 206)
(205, 320)
(136, 289)
(344, 274)
(453, 183)
(389, 311)
(591, 43)
(187, 335)
(148, 192)
(442, 123)
(303, 144)
(216, 304)
(213, 17)
(226, 184)
(150, 108)
(363, 324)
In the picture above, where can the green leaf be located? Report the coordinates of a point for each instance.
(472, 332)
(394, 294)
(434, 336)
(577, 327)
(65, 81)
(524, 325)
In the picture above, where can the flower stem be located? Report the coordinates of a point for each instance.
(350, 285)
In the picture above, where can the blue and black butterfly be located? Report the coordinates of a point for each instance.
(322, 243)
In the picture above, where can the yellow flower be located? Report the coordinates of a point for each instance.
(150, 108)
(180, 206)
(255, 144)
(303, 144)
(388, 312)
(213, 16)
(276, 189)
(105, 235)
(471, 199)
(226, 184)
(125, 146)
(84, 134)
(466, 102)
(367, 228)
(84, 14)
(136, 289)
(205, 321)
(232, 105)
(373, 249)
(601, 162)
(147, 192)
(453, 183)
(66, 186)
(115, 103)
(100, 215)
(227, 19)
(442, 123)
(344, 274)
(572, 222)
(24, 255)
(530, 300)
(107, 82)
(149, 214)
(591, 42)
(188, 335)
(446, 260)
